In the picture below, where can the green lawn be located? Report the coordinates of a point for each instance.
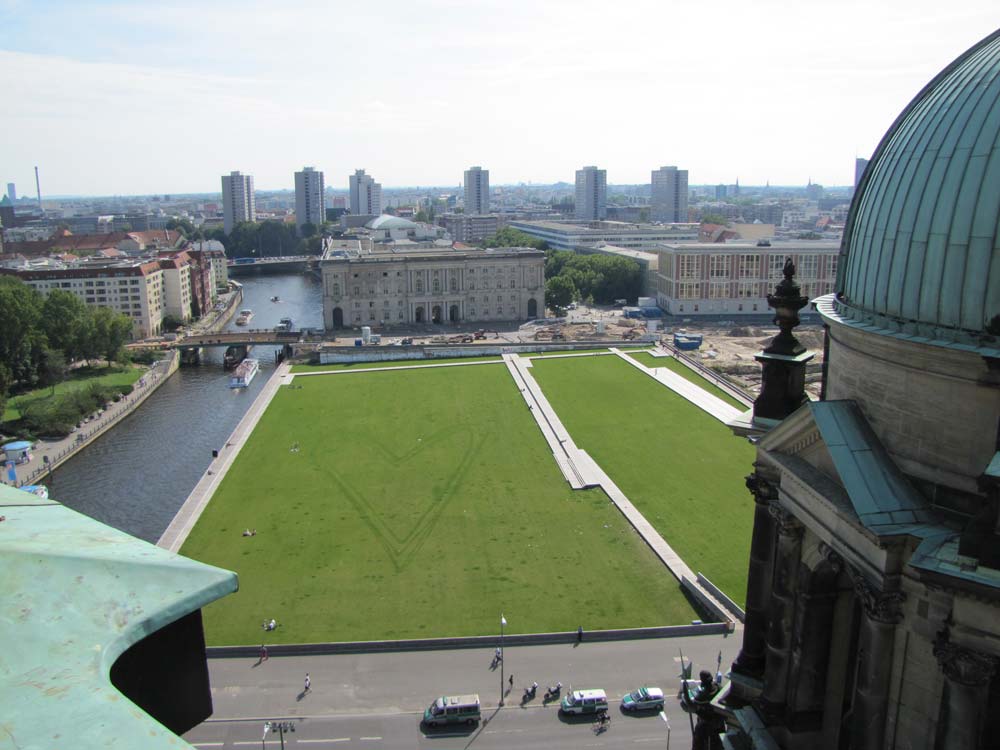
(81, 377)
(599, 350)
(688, 374)
(420, 503)
(393, 363)
(681, 468)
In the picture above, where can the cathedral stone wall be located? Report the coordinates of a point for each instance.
(931, 406)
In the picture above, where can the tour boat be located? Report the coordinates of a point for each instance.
(244, 373)
(244, 317)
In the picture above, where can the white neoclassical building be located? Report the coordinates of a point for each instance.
(406, 282)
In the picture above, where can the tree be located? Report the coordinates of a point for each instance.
(510, 237)
(65, 320)
(559, 291)
(5, 383)
(52, 369)
(20, 336)
(714, 218)
(184, 226)
(111, 331)
(171, 323)
(308, 229)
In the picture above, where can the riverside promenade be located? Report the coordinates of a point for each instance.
(60, 451)
(191, 511)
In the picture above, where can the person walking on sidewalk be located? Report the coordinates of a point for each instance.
(308, 687)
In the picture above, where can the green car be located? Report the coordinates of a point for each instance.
(643, 699)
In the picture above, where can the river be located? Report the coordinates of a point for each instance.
(137, 475)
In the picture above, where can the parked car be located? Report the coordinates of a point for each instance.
(643, 699)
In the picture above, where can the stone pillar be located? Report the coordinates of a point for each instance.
(968, 674)
(811, 641)
(750, 661)
(781, 613)
(875, 646)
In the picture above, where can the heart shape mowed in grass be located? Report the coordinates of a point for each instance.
(402, 530)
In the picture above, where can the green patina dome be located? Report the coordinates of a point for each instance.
(921, 250)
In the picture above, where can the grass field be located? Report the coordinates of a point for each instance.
(688, 374)
(681, 468)
(420, 503)
(81, 377)
(393, 363)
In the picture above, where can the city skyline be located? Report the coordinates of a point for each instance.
(174, 103)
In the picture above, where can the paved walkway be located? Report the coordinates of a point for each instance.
(60, 451)
(686, 389)
(582, 471)
(196, 502)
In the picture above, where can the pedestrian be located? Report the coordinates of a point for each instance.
(263, 652)
(579, 634)
(498, 656)
(511, 682)
(308, 684)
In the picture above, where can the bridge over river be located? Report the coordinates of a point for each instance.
(237, 338)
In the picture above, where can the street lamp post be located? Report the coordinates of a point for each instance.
(503, 621)
(666, 720)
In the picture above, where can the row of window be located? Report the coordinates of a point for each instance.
(748, 266)
(743, 289)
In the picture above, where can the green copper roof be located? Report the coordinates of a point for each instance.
(921, 250)
(76, 594)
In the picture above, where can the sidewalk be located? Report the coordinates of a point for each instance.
(188, 515)
(684, 388)
(60, 451)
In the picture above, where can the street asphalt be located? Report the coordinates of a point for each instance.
(376, 701)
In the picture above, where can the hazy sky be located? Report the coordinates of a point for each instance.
(144, 97)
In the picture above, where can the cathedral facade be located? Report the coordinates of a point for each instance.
(873, 598)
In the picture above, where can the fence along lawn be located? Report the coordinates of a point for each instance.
(681, 468)
(419, 503)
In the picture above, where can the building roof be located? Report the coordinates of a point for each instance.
(385, 221)
(921, 244)
(76, 595)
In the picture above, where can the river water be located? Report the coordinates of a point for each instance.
(137, 475)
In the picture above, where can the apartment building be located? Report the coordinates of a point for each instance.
(238, 201)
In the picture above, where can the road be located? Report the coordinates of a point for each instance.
(375, 701)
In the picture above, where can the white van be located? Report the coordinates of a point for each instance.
(584, 702)
(453, 710)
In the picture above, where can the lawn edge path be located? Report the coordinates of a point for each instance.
(185, 519)
(582, 471)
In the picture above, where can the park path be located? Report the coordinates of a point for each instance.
(581, 471)
(684, 388)
(191, 511)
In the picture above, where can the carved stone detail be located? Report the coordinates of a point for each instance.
(832, 557)
(963, 665)
(880, 606)
(762, 490)
(786, 523)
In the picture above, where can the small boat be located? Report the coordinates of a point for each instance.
(687, 342)
(285, 324)
(244, 373)
(276, 298)
(244, 317)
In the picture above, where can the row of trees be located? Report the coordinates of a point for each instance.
(260, 239)
(42, 336)
(510, 237)
(594, 278)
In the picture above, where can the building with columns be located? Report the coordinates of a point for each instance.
(405, 282)
(873, 596)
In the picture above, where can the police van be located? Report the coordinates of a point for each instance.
(584, 702)
(455, 709)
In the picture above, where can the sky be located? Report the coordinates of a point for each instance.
(126, 98)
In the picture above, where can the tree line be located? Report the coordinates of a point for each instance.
(260, 239)
(42, 336)
(596, 278)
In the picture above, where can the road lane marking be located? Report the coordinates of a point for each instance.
(248, 742)
(208, 744)
(335, 739)
(370, 738)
